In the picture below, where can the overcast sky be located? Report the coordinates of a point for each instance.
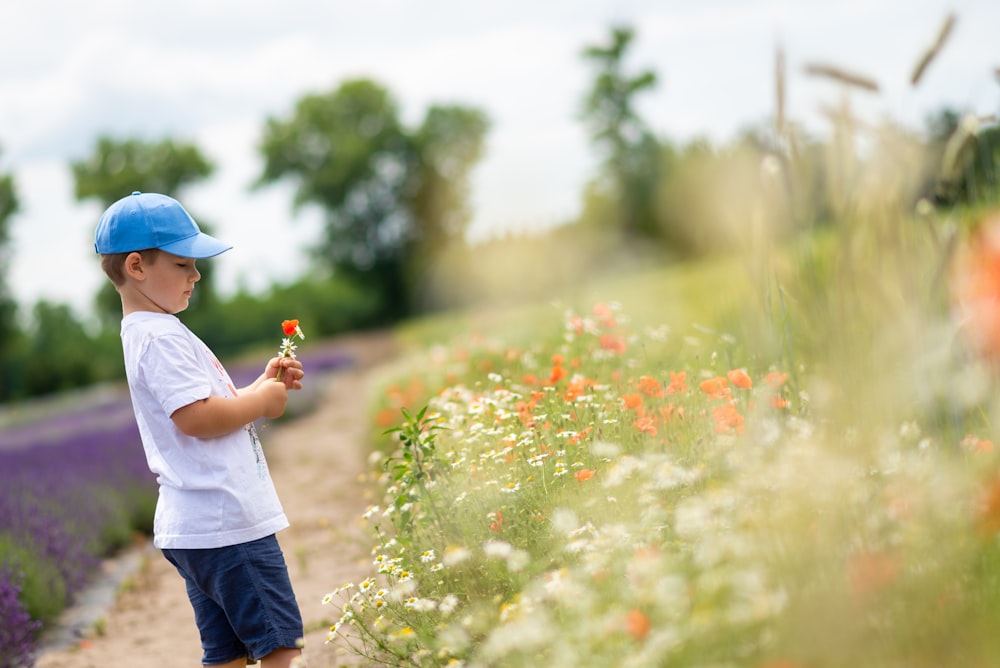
(212, 71)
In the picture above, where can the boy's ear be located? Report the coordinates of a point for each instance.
(134, 266)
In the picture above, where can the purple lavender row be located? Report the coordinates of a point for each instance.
(62, 507)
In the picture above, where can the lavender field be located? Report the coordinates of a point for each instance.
(74, 488)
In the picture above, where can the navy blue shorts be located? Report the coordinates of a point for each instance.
(243, 600)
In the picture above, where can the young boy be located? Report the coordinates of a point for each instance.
(217, 511)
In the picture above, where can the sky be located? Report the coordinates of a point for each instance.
(211, 72)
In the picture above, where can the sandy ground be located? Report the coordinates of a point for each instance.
(317, 462)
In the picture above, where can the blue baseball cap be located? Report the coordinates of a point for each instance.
(149, 220)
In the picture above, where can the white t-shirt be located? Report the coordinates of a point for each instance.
(214, 492)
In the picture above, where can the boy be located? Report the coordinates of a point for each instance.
(217, 511)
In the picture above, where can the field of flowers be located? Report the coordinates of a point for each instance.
(807, 479)
(74, 488)
(606, 492)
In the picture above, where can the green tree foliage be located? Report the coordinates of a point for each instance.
(967, 159)
(60, 351)
(630, 175)
(8, 306)
(389, 194)
(116, 168)
(242, 322)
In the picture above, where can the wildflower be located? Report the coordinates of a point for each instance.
(775, 380)
(558, 373)
(584, 474)
(650, 386)
(637, 624)
(646, 425)
(739, 378)
(715, 388)
(496, 524)
(727, 418)
(497, 548)
(454, 555)
(427, 556)
(615, 344)
(517, 560)
(677, 383)
(974, 288)
(632, 401)
(290, 328)
(972, 443)
(448, 604)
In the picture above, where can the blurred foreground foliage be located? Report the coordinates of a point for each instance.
(779, 451)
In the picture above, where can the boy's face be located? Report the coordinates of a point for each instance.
(162, 283)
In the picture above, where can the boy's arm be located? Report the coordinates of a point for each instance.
(218, 416)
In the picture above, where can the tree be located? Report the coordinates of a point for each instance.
(61, 352)
(967, 157)
(630, 173)
(388, 193)
(8, 305)
(116, 168)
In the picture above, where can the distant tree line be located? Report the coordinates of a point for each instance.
(396, 209)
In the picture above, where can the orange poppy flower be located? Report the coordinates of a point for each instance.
(739, 378)
(975, 288)
(727, 418)
(650, 386)
(677, 383)
(615, 344)
(579, 436)
(775, 379)
(558, 373)
(646, 425)
(632, 401)
(637, 624)
(715, 388)
(584, 474)
(972, 443)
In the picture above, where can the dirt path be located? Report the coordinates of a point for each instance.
(316, 462)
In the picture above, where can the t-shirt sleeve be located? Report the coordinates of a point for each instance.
(174, 374)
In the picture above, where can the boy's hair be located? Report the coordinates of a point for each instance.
(113, 264)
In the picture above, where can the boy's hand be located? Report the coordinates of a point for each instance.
(275, 396)
(292, 374)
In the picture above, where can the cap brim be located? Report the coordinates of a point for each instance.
(197, 247)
